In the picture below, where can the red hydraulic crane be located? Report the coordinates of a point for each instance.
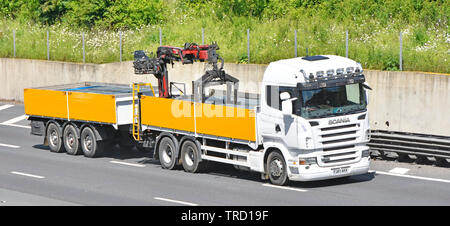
(188, 55)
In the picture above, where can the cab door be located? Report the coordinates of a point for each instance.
(275, 126)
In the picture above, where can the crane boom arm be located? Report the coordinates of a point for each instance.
(157, 65)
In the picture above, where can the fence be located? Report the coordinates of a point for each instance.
(117, 52)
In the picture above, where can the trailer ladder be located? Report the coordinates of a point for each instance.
(136, 130)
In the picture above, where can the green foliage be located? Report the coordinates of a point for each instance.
(23, 10)
(133, 13)
(85, 13)
(51, 11)
(391, 63)
(420, 36)
(373, 26)
(243, 58)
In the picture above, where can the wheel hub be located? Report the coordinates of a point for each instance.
(189, 157)
(276, 168)
(88, 142)
(53, 137)
(167, 154)
(71, 140)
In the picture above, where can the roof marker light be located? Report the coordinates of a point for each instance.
(330, 72)
(359, 68)
(319, 74)
(349, 70)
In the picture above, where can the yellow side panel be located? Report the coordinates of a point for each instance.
(167, 113)
(48, 103)
(215, 120)
(92, 107)
(225, 121)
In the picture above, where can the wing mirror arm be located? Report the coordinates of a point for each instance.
(367, 86)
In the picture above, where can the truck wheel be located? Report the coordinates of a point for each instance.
(166, 153)
(89, 144)
(190, 159)
(71, 140)
(276, 168)
(54, 138)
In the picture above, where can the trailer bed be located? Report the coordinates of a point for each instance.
(212, 119)
(89, 101)
(112, 104)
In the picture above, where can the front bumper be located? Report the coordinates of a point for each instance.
(315, 172)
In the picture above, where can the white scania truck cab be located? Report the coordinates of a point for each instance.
(313, 119)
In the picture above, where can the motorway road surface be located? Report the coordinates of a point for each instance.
(32, 175)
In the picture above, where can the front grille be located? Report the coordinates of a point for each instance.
(339, 160)
(336, 158)
(335, 135)
(338, 134)
(338, 127)
(337, 148)
(339, 140)
(338, 144)
(340, 154)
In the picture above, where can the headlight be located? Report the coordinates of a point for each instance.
(307, 161)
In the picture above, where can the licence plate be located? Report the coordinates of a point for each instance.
(340, 171)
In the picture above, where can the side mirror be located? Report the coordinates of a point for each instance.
(366, 90)
(367, 97)
(284, 96)
(286, 103)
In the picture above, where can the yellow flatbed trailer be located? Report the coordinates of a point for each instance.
(62, 113)
(87, 102)
(201, 119)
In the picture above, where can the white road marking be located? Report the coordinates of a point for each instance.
(14, 125)
(14, 120)
(128, 164)
(27, 175)
(3, 107)
(9, 145)
(285, 188)
(410, 176)
(398, 170)
(176, 201)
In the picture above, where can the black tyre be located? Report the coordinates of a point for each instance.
(276, 168)
(166, 151)
(89, 144)
(54, 138)
(190, 157)
(71, 140)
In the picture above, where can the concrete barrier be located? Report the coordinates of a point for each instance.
(415, 102)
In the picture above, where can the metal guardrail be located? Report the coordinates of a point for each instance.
(406, 145)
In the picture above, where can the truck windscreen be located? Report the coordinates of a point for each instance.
(333, 101)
